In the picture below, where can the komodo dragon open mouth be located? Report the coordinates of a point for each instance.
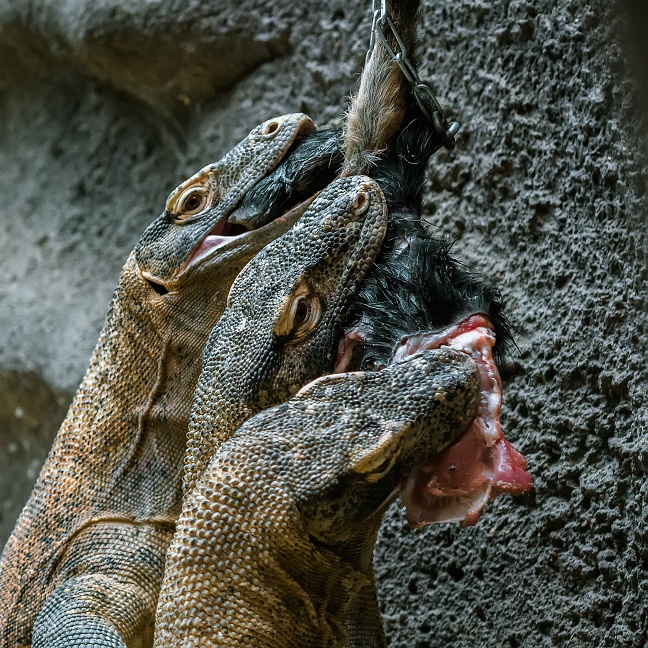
(275, 202)
(457, 484)
(225, 232)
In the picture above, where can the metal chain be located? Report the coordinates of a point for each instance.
(422, 91)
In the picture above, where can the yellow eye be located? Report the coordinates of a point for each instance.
(193, 203)
(378, 472)
(305, 313)
(194, 199)
(300, 317)
(302, 310)
(379, 460)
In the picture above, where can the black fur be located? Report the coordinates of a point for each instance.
(312, 164)
(415, 284)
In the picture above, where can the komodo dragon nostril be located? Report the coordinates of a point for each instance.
(271, 129)
(361, 203)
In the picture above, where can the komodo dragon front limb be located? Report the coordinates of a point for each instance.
(279, 331)
(269, 533)
(84, 563)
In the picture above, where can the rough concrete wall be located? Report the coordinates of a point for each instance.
(106, 106)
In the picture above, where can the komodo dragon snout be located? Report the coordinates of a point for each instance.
(283, 316)
(271, 531)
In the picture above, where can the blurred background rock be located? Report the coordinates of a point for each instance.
(106, 106)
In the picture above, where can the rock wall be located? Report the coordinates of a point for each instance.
(105, 107)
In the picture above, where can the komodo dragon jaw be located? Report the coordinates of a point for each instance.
(284, 313)
(262, 554)
(85, 561)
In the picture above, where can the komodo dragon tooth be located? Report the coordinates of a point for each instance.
(278, 332)
(84, 563)
(266, 558)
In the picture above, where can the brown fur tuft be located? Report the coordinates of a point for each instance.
(376, 113)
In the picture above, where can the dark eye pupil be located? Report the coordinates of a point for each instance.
(192, 202)
(301, 313)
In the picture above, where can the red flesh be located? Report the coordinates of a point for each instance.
(217, 236)
(480, 464)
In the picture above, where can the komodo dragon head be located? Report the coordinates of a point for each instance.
(194, 234)
(266, 558)
(284, 313)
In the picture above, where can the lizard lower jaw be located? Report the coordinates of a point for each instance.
(225, 236)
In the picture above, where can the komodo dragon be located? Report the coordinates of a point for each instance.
(283, 320)
(269, 535)
(84, 563)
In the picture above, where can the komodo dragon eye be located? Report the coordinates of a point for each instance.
(193, 197)
(376, 463)
(300, 316)
(192, 201)
(378, 472)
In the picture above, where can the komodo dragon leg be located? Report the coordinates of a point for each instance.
(264, 540)
(85, 560)
(279, 331)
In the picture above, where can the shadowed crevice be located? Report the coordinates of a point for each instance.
(31, 412)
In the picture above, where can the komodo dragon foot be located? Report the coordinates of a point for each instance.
(84, 563)
(263, 555)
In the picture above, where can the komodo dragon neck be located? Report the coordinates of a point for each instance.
(138, 387)
(118, 454)
(274, 586)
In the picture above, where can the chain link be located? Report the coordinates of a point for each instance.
(422, 91)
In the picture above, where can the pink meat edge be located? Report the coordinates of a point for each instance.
(456, 485)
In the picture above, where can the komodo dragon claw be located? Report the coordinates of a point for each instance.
(263, 554)
(84, 564)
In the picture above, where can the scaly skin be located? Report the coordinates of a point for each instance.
(265, 550)
(284, 315)
(84, 564)
(279, 331)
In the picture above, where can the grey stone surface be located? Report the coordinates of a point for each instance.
(106, 106)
